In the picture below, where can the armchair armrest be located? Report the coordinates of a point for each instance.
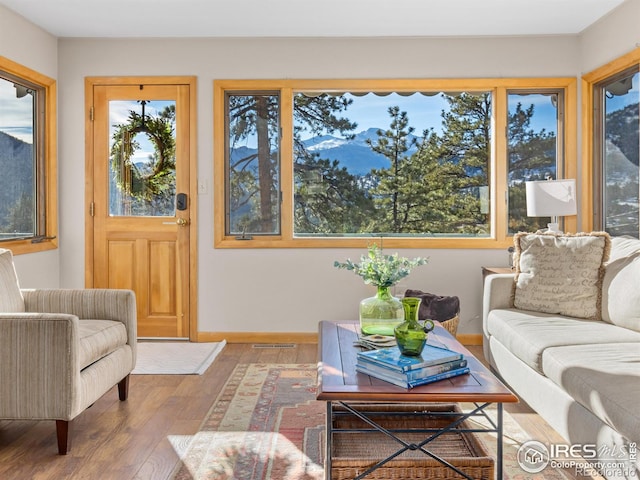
(105, 304)
(88, 304)
(39, 365)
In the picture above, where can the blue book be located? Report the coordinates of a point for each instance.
(392, 358)
(400, 382)
(416, 374)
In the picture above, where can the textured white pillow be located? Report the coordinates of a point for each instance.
(560, 273)
(11, 300)
(620, 292)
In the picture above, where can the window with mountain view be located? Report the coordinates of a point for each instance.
(618, 153)
(380, 163)
(252, 164)
(18, 206)
(534, 150)
(27, 159)
(308, 164)
(24, 225)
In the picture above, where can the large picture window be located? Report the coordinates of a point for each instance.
(27, 159)
(380, 162)
(312, 163)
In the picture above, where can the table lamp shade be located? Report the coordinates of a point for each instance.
(551, 198)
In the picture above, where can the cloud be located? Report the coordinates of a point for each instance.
(16, 117)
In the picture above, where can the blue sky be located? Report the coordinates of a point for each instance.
(16, 114)
(371, 111)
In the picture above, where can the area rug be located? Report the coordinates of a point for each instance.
(267, 425)
(176, 358)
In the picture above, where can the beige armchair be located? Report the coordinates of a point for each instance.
(61, 350)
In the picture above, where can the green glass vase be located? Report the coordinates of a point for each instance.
(410, 335)
(379, 315)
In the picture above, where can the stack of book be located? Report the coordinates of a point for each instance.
(435, 363)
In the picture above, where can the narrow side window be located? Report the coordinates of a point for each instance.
(252, 163)
(535, 149)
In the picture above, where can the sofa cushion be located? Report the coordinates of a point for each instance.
(604, 378)
(620, 292)
(529, 334)
(98, 338)
(560, 273)
(11, 300)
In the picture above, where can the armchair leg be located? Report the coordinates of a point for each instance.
(123, 388)
(63, 432)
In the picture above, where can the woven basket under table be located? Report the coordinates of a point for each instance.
(354, 452)
(451, 325)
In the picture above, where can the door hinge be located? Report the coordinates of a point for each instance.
(92, 209)
(91, 114)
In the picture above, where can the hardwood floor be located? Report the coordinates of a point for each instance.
(129, 440)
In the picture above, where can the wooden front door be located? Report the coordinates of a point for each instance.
(141, 202)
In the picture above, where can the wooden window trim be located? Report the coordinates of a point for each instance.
(50, 241)
(498, 163)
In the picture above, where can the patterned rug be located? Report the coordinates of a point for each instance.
(267, 425)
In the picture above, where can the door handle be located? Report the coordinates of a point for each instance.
(181, 222)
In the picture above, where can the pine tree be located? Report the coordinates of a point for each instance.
(438, 186)
(327, 198)
(462, 153)
(254, 186)
(393, 191)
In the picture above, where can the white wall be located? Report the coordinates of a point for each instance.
(30, 46)
(611, 37)
(287, 290)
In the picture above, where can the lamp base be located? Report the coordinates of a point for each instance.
(553, 228)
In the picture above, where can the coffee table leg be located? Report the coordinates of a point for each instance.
(327, 441)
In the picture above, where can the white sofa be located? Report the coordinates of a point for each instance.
(581, 375)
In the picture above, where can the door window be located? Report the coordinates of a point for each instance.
(142, 160)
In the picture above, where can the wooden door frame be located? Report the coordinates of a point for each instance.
(89, 84)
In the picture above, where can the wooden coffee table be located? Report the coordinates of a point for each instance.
(340, 385)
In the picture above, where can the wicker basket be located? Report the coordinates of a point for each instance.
(354, 452)
(451, 325)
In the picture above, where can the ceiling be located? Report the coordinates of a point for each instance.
(304, 18)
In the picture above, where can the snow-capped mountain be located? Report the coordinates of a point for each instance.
(354, 154)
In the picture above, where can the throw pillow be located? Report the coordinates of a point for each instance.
(620, 293)
(435, 307)
(11, 299)
(560, 274)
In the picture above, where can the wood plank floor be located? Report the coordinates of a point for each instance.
(130, 440)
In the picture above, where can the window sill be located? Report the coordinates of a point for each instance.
(21, 247)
